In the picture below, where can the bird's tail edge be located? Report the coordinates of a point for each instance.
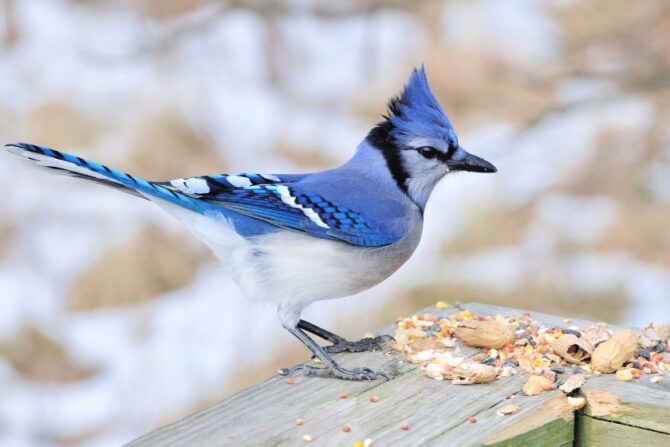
(61, 162)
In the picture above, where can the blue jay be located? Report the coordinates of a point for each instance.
(292, 239)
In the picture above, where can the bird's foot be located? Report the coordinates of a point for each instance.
(364, 344)
(334, 370)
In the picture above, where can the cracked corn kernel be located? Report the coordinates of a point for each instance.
(441, 305)
(625, 375)
(358, 444)
(307, 438)
(317, 361)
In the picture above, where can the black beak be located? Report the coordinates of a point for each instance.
(470, 163)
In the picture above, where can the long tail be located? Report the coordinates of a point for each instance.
(61, 162)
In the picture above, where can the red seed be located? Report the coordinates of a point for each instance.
(299, 421)
(343, 395)
(289, 381)
(373, 398)
(346, 428)
(472, 419)
(404, 426)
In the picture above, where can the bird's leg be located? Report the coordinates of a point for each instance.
(340, 344)
(330, 366)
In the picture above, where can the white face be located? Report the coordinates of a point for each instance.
(424, 163)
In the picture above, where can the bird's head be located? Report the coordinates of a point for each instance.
(419, 143)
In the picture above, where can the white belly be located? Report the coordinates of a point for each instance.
(296, 267)
(293, 269)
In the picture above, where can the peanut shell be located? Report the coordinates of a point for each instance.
(596, 334)
(537, 384)
(574, 382)
(485, 334)
(423, 349)
(572, 348)
(613, 353)
(472, 372)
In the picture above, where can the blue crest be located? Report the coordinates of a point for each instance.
(416, 112)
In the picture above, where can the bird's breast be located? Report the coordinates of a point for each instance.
(291, 266)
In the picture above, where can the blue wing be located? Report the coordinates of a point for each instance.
(280, 201)
(277, 200)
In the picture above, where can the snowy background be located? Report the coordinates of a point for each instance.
(114, 321)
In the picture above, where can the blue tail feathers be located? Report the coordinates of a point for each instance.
(90, 170)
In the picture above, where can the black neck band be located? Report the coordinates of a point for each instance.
(380, 138)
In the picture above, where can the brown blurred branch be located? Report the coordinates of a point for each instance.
(11, 34)
(270, 10)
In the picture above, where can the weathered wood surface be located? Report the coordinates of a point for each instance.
(437, 412)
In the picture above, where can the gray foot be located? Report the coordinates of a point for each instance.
(335, 371)
(365, 344)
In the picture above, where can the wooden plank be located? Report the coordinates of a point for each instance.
(640, 403)
(437, 412)
(592, 432)
(540, 422)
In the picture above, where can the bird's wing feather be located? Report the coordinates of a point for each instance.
(278, 200)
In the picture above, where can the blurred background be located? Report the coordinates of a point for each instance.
(114, 320)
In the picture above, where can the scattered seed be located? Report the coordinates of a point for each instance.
(289, 381)
(358, 444)
(640, 352)
(318, 361)
(567, 320)
(508, 409)
(373, 398)
(572, 331)
(404, 426)
(299, 421)
(634, 364)
(625, 375)
(472, 419)
(343, 395)
(367, 442)
(346, 428)
(307, 438)
(656, 379)
(441, 305)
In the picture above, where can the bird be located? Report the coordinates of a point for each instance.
(294, 239)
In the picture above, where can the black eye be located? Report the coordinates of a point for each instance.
(427, 151)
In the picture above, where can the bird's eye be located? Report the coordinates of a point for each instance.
(427, 151)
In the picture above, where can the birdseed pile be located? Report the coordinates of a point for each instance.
(512, 343)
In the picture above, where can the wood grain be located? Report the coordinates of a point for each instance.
(437, 412)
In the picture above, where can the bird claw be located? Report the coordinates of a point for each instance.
(356, 374)
(365, 344)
